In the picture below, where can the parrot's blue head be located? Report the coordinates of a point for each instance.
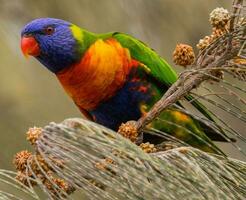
(51, 41)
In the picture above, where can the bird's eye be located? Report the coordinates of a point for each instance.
(49, 30)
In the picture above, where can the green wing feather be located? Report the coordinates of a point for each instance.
(159, 68)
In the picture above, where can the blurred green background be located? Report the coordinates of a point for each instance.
(31, 96)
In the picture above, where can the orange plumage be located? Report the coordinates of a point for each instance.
(101, 72)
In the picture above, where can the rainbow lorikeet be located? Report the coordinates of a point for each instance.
(112, 77)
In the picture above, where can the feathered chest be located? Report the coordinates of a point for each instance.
(100, 73)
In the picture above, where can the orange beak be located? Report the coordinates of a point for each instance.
(29, 46)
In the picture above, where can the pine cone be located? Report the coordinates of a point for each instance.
(20, 160)
(33, 134)
(129, 130)
(219, 17)
(183, 55)
(147, 147)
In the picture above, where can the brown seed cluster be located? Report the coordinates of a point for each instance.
(21, 159)
(24, 161)
(129, 130)
(219, 17)
(60, 183)
(31, 167)
(183, 55)
(217, 32)
(147, 147)
(33, 134)
(207, 40)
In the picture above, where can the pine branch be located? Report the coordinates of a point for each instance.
(81, 157)
(213, 58)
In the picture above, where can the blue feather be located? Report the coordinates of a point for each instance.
(124, 106)
(58, 50)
